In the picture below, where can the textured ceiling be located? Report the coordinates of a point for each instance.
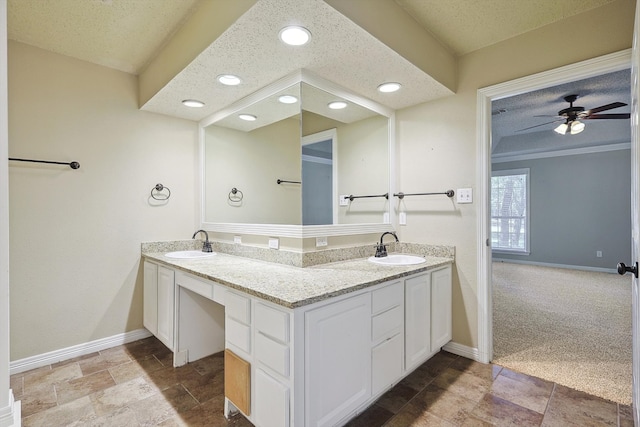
(464, 25)
(339, 51)
(127, 34)
(511, 115)
(120, 34)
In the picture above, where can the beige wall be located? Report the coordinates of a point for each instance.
(436, 141)
(363, 159)
(75, 234)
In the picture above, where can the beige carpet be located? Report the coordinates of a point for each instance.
(567, 326)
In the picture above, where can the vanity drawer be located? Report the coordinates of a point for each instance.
(237, 307)
(198, 286)
(387, 297)
(272, 354)
(238, 334)
(386, 324)
(271, 322)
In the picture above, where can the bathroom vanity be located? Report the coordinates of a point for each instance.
(303, 346)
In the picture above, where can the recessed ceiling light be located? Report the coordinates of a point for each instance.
(247, 117)
(193, 103)
(389, 87)
(337, 105)
(288, 99)
(294, 35)
(229, 79)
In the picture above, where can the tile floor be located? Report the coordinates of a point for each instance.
(135, 385)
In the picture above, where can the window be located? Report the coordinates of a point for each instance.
(510, 210)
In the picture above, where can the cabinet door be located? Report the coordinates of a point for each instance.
(417, 320)
(337, 360)
(271, 401)
(166, 297)
(440, 308)
(150, 297)
(386, 363)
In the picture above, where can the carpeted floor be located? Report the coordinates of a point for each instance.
(568, 326)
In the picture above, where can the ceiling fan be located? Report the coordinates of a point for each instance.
(571, 116)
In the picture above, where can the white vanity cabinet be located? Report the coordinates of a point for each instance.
(159, 302)
(387, 327)
(441, 311)
(417, 326)
(337, 360)
(315, 365)
(427, 315)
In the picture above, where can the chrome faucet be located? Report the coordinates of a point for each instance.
(381, 250)
(206, 247)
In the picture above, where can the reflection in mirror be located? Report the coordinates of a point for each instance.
(325, 153)
(359, 158)
(251, 156)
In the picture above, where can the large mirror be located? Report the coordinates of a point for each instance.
(298, 161)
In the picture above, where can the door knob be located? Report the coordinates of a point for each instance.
(622, 269)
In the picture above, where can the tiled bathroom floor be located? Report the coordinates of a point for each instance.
(135, 385)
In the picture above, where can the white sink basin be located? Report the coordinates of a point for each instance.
(397, 259)
(189, 254)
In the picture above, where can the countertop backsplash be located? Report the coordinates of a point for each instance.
(300, 259)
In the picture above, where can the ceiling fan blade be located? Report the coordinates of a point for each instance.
(605, 107)
(608, 116)
(542, 124)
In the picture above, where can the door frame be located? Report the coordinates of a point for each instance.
(593, 67)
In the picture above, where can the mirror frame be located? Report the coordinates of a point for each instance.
(298, 231)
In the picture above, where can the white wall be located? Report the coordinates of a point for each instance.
(436, 141)
(75, 234)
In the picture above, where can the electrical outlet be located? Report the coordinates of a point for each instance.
(599, 254)
(402, 218)
(237, 240)
(274, 243)
(343, 200)
(465, 195)
(385, 218)
(321, 241)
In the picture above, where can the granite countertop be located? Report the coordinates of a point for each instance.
(289, 286)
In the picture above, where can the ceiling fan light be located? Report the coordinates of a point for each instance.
(562, 129)
(576, 127)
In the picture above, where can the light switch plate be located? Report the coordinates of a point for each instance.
(321, 241)
(465, 195)
(237, 240)
(274, 243)
(344, 200)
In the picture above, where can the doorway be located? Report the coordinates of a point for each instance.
(319, 181)
(607, 64)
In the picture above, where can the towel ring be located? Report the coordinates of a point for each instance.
(158, 188)
(233, 195)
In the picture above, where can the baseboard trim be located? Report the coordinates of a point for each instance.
(37, 361)
(11, 416)
(462, 350)
(549, 264)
